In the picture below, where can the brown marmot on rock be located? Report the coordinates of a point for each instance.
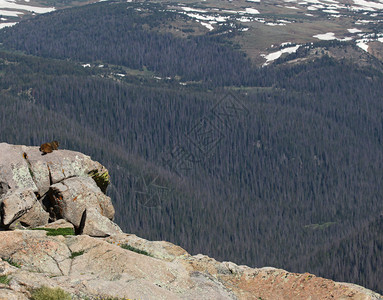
(49, 147)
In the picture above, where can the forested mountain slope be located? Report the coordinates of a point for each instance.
(127, 34)
(368, 240)
(271, 173)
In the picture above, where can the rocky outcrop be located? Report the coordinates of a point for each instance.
(79, 249)
(92, 268)
(36, 189)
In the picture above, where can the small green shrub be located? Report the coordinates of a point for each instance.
(47, 293)
(128, 247)
(75, 254)
(102, 179)
(4, 279)
(58, 231)
(11, 262)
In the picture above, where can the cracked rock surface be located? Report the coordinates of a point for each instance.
(92, 268)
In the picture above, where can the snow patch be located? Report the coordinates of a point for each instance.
(9, 13)
(207, 25)
(274, 24)
(4, 4)
(368, 4)
(252, 11)
(3, 25)
(244, 19)
(354, 30)
(185, 8)
(275, 55)
(206, 17)
(326, 36)
(362, 44)
(361, 22)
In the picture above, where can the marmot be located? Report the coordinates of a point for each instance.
(49, 147)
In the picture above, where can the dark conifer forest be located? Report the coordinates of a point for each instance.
(278, 166)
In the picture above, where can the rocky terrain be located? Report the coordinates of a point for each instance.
(81, 250)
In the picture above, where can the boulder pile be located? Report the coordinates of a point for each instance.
(37, 189)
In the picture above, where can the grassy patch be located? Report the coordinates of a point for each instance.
(75, 254)
(11, 262)
(4, 279)
(47, 293)
(130, 248)
(58, 231)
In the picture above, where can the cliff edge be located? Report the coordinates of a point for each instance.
(58, 231)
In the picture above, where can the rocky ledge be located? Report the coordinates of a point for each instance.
(80, 250)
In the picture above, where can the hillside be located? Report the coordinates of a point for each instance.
(267, 166)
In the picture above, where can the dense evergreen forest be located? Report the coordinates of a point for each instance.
(280, 166)
(87, 33)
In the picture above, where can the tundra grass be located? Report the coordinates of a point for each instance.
(128, 247)
(47, 293)
(58, 231)
(4, 279)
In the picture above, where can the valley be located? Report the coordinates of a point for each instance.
(250, 131)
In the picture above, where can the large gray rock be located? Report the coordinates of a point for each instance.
(61, 164)
(95, 224)
(17, 187)
(73, 196)
(75, 182)
(159, 249)
(23, 167)
(15, 204)
(58, 224)
(15, 172)
(34, 217)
